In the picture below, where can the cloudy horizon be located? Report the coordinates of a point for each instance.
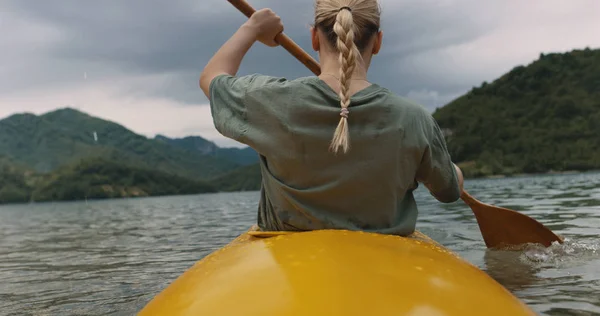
(137, 62)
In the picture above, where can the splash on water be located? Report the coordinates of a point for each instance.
(570, 250)
(531, 266)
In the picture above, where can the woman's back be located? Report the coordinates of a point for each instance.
(305, 186)
(342, 154)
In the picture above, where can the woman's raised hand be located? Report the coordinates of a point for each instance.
(267, 26)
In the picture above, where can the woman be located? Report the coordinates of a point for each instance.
(359, 175)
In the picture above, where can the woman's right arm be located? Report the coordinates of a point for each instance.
(437, 172)
(461, 179)
(263, 25)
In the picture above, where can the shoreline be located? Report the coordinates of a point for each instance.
(520, 175)
(490, 177)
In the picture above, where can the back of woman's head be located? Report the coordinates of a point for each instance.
(349, 26)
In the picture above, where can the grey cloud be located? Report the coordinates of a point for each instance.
(141, 37)
(113, 38)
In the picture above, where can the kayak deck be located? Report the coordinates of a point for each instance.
(334, 273)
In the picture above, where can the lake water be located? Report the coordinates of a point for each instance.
(112, 257)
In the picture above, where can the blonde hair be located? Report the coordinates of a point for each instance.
(349, 25)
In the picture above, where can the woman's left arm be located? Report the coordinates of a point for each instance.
(263, 26)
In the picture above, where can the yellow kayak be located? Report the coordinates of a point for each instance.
(334, 272)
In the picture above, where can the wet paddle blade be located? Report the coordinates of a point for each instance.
(501, 227)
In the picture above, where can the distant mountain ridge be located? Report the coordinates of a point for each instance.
(243, 156)
(67, 154)
(65, 136)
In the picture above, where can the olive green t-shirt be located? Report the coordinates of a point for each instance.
(393, 144)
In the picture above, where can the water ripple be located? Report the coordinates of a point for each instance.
(112, 257)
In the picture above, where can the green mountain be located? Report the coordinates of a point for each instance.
(190, 143)
(242, 156)
(536, 118)
(247, 178)
(15, 186)
(66, 136)
(93, 178)
(100, 179)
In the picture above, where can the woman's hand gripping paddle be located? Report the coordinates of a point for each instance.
(282, 40)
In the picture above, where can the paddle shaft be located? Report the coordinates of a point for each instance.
(282, 40)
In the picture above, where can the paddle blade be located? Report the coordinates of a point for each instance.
(501, 227)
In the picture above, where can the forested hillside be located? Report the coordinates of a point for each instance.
(94, 178)
(65, 136)
(536, 118)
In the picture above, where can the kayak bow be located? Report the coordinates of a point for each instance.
(334, 272)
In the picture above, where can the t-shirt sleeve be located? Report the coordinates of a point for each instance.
(437, 171)
(228, 106)
(245, 108)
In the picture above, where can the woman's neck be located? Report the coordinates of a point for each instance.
(330, 74)
(332, 66)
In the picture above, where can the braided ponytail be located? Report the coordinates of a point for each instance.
(349, 26)
(344, 30)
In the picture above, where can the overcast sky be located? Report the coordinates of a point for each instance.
(137, 62)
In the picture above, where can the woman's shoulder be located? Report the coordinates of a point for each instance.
(409, 106)
(260, 80)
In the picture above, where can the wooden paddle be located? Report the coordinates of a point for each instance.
(500, 227)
